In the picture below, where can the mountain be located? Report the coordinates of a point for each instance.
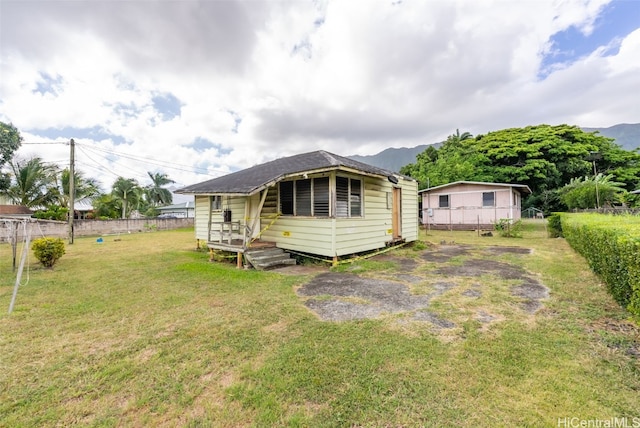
(392, 159)
(626, 135)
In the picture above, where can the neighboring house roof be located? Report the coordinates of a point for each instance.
(522, 187)
(82, 205)
(175, 207)
(256, 178)
(15, 210)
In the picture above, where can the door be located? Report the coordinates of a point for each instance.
(396, 213)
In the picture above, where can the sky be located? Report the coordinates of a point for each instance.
(196, 89)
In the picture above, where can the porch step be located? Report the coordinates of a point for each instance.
(266, 258)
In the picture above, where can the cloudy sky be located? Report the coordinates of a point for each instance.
(199, 88)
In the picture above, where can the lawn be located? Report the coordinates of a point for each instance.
(142, 330)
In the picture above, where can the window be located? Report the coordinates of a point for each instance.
(216, 203)
(286, 197)
(355, 198)
(321, 197)
(348, 197)
(303, 197)
(308, 197)
(443, 201)
(488, 199)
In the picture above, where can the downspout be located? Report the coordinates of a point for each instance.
(511, 202)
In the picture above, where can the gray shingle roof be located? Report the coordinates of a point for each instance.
(251, 180)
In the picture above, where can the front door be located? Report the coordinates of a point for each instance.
(396, 221)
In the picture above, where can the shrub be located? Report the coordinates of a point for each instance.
(554, 223)
(53, 212)
(508, 228)
(48, 250)
(611, 246)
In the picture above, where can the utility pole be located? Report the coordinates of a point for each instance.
(72, 188)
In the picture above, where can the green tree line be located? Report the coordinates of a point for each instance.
(564, 166)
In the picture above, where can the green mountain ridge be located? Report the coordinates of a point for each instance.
(626, 135)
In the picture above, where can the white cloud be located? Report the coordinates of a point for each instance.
(267, 79)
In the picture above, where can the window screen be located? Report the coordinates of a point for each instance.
(443, 201)
(216, 203)
(356, 198)
(303, 197)
(342, 197)
(488, 199)
(286, 197)
(321, 197)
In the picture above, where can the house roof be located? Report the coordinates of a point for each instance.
(20, 210)
(251, 180)
(183, 206)
(522, 187)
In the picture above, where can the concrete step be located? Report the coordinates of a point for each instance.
(266, 258)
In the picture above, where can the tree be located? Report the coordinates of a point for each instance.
(127, 192)
(455, 160)
(543, 157)
(155, 192)
(84, 187)
(10, 140)
(591, 192)
(33, 182)
(107, 206)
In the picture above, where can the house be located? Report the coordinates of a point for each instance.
(183, 210)
(315, 203)
(470, 205)
(15, 211)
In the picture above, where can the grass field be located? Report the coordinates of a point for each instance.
(145, 331)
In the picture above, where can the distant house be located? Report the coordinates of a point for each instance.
(316, 203)
(183, 210)
(468, 205)
(15, 211)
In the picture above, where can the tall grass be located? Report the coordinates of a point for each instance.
(145, 331)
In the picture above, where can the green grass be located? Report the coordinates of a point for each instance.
(146, 331)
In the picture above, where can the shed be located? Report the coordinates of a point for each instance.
(316, 203)
(469, 205)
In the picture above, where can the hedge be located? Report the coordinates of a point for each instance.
(611, 246)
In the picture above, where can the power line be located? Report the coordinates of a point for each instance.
(151, 161)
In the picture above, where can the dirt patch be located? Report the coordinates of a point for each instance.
(378, 296)
(480, 267)
(444, 253)
(472, 293)
(337, 296)
(508, 250)
(404, 263)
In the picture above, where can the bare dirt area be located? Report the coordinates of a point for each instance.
(469, 283)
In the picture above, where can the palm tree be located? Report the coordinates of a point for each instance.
(126, 191)
(458, 138)
(33, 183)
(157, 194)
(84, 187)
